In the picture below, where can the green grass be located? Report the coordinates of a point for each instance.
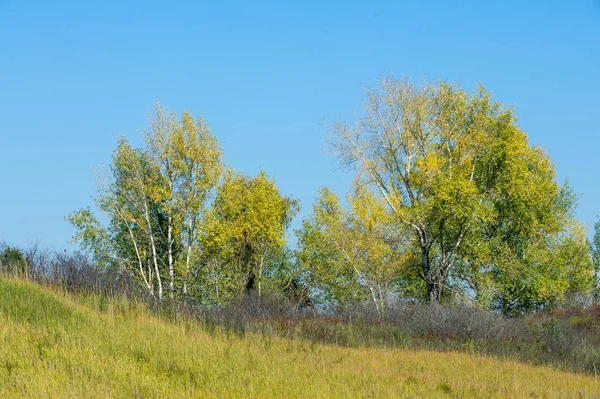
(57, 346)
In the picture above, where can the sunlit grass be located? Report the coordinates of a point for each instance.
(56, 346)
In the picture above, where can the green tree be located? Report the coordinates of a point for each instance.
(352, 255)
(155, 199)
(534, 253)
(286, 279)
(93, 238)
(456, 170)
(128, 195)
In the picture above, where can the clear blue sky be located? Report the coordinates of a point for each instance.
(266, 75)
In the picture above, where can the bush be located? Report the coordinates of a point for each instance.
(12, 260)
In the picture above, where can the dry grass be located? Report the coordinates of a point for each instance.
(56, 346)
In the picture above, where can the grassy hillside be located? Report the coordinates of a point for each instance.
(56, 346)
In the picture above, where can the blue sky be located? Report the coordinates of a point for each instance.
(268, 76)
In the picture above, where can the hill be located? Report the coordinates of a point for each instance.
(53, 345)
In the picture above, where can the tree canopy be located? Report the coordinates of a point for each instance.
(474, 207)
(172, 211)
(450, 201)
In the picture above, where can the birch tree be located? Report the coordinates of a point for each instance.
(198, 161)
(127, 195)
(190, 163)
(156, 199)
(159, 138)
(352, 254)
(133, 196)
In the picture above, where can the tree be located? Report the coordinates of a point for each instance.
(159, 139)
(350, 255)
(286, 279)
(322, 242)
(533, 254)
(131, 201)
(248, 221)
(198, 161)
(128, 195)
(456, 170)
(156, 199)
(190, 163)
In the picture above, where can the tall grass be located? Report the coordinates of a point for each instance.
(52, 345)
(567, 340)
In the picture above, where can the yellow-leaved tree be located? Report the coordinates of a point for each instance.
(350, 255)
(247, 221)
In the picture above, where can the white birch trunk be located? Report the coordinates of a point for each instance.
(154, 254)
(170, 251)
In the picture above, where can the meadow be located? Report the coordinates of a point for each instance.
(70, 345)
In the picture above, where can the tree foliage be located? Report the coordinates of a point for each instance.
(350, 254)
(248, 223)
(155, 199)
(472, 203)
(449, 201)
(178, 222)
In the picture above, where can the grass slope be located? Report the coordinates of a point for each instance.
(56, 346)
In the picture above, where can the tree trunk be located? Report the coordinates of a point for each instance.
(187, 272)
(187, 260)
(247, 258)
(154, 254)
(156, 270)
(434, 287)
(170, 251)
(250, 282)
(260, 267)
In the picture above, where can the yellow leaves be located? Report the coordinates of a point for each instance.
(348, 250)
(430, 165)
(369, 208)
(188, 155)
(252, 209)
